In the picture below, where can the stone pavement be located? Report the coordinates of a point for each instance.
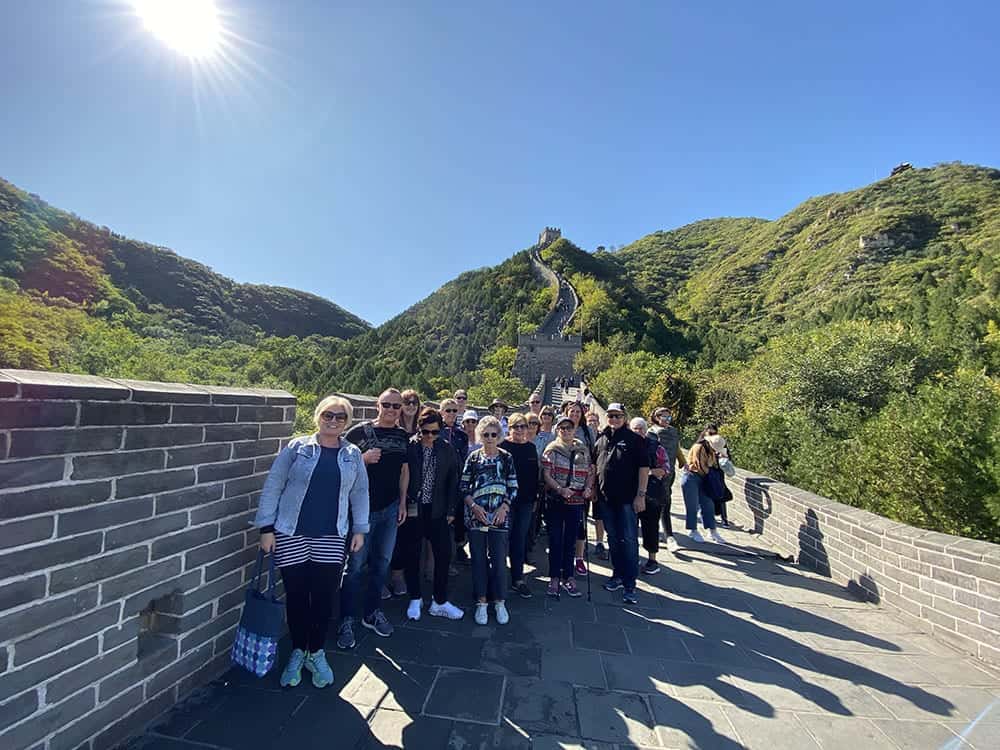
(726, 649)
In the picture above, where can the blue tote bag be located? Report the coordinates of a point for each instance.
(261, 626)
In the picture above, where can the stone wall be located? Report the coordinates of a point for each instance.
(125, 510)
(947, 583)
(548, 355)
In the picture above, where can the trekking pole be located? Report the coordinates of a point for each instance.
(586, 548)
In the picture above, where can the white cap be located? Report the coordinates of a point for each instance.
(616, 406)
(470, 414)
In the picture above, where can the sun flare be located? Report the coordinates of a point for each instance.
(189, 27)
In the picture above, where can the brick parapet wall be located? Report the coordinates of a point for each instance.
(125, 509)
(949, 584)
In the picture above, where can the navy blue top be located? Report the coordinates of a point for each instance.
(318, 515)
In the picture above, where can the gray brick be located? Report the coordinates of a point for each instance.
(199, 495)
(77, 734)
(37, 414)
(64, 634)
(290, 413)
(162, 436)
(228, 432)
(255, 448)
(30, 443)
(140, 601)
(228, 470)
(179, 624)
(62, 385)
(286, 399)
(165, 393)
(228, 507)
(149, 663)
(116, 464)
(138, 580)
(213, 551)
(227, 564)
(233, 598)
(207, 632)
(42, 669)
(8, 386)
(226, 395)
(178, 670)
(48, 499)
(4, 444)
(983, 571)
(179, 604)
(88, 673)
(157, 481)
(218, 666)
(183, 414)
(281, 430)
(21, 707)
(43, 724)
(116, 636)
(198, 454)
(245, 485)
(242, 522)
(20, 592)
(104, 516)
(28, 531)
(124, 536)
(263, 464)
(43, 556)
(92, 571)
(134, 723)
(30, 619)
(260, 414)
(175, 543)
(98, 413)
(3, 659)
(23, 472)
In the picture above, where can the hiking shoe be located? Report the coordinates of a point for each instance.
(413, 610)
(292, 675)
(345, 634)
(399, 588)
(570, 588)
(716, 537)
(447, 610)
(580, 567)
(614, 584)
(378, 622)
(600, 551)
(629, 597)
(553, 589)
(482, 616)
(503, 616)
(672, 544)
(317, 664)
(650, 568)
(522, 590)
(695, 536)
(386, 593)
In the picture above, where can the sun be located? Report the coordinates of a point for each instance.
(189, 27)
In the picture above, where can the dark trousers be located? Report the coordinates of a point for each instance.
(309, 591)
(622, 527)
(668, 522)
(489, 563)
(649, 522)
(520, 529)
(562, 522)
(410, 541)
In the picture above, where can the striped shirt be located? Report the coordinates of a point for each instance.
(297, 549)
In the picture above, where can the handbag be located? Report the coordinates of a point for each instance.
(261, 625)
(714, 483)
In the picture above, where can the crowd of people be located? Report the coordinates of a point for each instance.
(355, 511)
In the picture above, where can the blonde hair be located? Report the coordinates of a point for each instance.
(516, 418)
(447, 402)
(329, 401)
(485, 422)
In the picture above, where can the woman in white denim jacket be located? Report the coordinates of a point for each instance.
(316, 488)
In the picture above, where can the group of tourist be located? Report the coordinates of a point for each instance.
(377, 496)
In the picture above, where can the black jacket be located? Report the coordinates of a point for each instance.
(620, 455)
(445, 500)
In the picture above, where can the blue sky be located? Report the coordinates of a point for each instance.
(370, 151)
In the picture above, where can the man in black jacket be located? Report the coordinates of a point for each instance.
(622, 474)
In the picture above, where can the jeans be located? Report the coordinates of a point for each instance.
(695, 498)
(520, 528)
(489, 563)
(562, 521)
(411, 538)
(377, 551)
(309, 591)
(622, 527)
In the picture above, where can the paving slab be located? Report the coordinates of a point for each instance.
(466, 695)
(692, 724)
(843, 732)
(779, 730)
(541, 706)
(615, 717)
(920, 735)
(599, 637)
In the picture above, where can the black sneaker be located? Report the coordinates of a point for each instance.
(378, 622)
(629, 597)
(600, 551)
(345, 634)
(614, 584)
(650, 568)
(522, 590)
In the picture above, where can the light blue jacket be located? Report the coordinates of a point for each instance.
(287, 482)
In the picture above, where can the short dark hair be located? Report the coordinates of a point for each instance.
(429, 415)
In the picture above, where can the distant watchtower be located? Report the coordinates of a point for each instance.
(548, 235)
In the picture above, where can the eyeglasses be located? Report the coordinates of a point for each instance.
(389, 405)
(451, 411)
(430, 432)
(411, 402)
(329, 416)
(491, 435)
(534, 424)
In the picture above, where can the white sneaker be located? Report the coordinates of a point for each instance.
(672, 544)
(446, 610)
(503, 616)
(482, 617)
(717, 537)
(413, 611)
(695, 536)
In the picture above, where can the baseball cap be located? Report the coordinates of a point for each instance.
(616, 406)
(470, 414)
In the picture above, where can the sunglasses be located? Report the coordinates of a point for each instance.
(411, 402)
(461, 398)
(616, 416)
(566, 427)
(491, 435)
(430, 432)
(534, 424)
(519, 427)
(533, 403)
(451, 411)
(389, 405)
(329, 416)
